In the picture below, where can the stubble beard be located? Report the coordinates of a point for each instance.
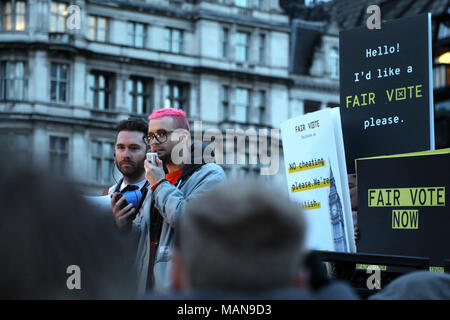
(134, 173)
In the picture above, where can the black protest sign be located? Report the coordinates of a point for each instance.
(385, 97)
(403, 206)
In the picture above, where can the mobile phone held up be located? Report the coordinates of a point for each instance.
(151, 157)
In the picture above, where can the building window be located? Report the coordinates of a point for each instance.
(136, 34)
(261, 48)
(334, 63)
(225, 98)
(311, 106)
(258, 111)
(100, 91)
(138, 95)
(98, 29)
(443, 30)
(174, 40)
(59, 82)
(260, 4)
(59, 154)
(441, 76)
(175, 95)
(13, 15)
(261, 107)
(225, 35)
(58, 14)
(102, 161)
(12, 80)
(242, 3)
(242, 46)
(242, 105)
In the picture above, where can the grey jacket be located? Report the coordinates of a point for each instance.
(170, 201)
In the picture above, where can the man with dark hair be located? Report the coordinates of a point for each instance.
(130, 150)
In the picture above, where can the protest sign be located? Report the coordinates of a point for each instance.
(402, 205)
(386, 89)
(317, 178)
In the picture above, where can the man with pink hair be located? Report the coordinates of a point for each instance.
(173, 183)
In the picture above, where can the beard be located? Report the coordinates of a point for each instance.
(133, 170)
(165, 157)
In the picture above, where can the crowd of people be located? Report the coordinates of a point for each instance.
(177, 230)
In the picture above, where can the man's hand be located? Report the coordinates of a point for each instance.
(121, 215)
(154, 173)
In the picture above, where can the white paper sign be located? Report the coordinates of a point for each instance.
(317, 178)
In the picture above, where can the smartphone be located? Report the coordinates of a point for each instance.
(151, 157)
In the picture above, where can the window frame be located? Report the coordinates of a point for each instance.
(13, 16)
(225, 35)
(246, 5)
(225, 102)
(169, 40)
(132, 36)
(133, 94)
(262, 40)
(238, 104)
(183, 100)
(246, 46)
(262, 106)
(96, 28)
(108, 90)
(58, 80)
(441, 76)
(101, 158)
(58, 16)
(59, 155)
(6, 78)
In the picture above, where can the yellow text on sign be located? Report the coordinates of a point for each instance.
(405, 219)
(407, 197)
(307, 166)
(311, 206)
(310, 186)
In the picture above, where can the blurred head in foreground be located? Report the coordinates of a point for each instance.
(239, 237)
(418, 285)
(46, 228)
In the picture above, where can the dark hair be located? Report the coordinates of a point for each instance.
(133, 124)
(241, 236)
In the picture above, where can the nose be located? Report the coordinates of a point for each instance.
(127, 153)
(153, 147)
(154, 142)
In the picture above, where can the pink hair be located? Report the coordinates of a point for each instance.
(180, 119)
